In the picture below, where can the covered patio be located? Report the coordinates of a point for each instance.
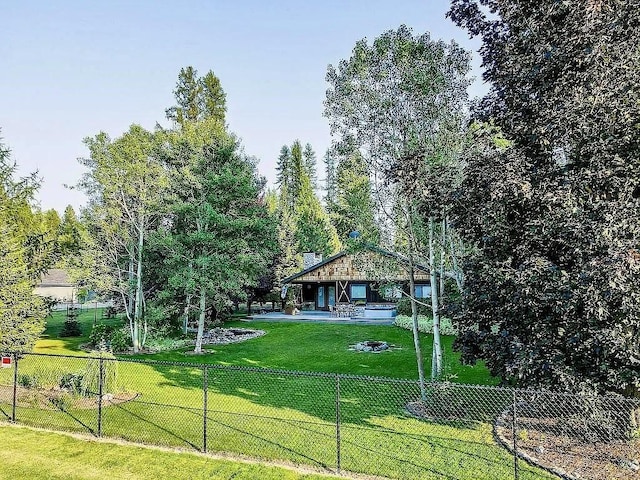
(320, 316)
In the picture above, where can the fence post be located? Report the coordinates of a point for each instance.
(514, 433)
(338, 453)
(205, 388)
(100, 395)
(15, 387)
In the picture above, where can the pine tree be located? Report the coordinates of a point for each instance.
(354, 207)
(197, 98)
(309, 160)
(21, 312)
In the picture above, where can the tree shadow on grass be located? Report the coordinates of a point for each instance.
(307, 405)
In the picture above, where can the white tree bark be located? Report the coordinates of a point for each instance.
(201, 319)
(436, 364)
(137, 317)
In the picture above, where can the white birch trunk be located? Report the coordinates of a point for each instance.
(187, 307)
(201, 318)
(416, 332)
(436, 364)
(137, 318)
(442, 246)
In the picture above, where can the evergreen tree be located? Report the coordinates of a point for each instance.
(21, 312)
(221, 239)
(197, 98)
(309, 161)
(283, 167)
(354, 207)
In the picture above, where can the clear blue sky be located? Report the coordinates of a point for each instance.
(70, 69)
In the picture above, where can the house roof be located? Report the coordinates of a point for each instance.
(401, 259)
(314, 267)
(56, 277)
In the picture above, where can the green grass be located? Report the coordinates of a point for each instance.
(292, 417)
(38, 455)
(51, 342)
(315, 347)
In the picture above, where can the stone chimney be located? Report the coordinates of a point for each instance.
(309, 259)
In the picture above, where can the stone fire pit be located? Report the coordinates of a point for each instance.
(370, 346)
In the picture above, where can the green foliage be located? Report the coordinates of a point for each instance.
(71, 328)
(353, 207)
(404, 307)
(100, 335)
(303, 224)
(72, 382)
(120, 339)
(197, 98)
(552, 296)
(22, 259)
(425, 323)
(90, 384)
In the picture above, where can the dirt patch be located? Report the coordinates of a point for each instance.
(55, 399)
(567, 455)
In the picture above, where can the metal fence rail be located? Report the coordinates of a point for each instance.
(374, 426)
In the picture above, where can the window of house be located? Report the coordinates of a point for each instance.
(423, 291)
(358, 291)
(391, 292)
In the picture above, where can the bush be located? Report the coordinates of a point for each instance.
(425, 324)
(72, 382)
(71, 328)
(120, 339)
(100, 334)
(404, 307)
(91, 376)
(105, 337)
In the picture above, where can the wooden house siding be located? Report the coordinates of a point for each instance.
(343, 268)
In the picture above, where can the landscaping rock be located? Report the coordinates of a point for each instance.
(224, 336)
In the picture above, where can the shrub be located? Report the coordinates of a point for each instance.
(72, 382)
(120, 339)
(425, 324)
(71, 328)
(28, 380)
(90, 384)
(404, 307)
(100, 334)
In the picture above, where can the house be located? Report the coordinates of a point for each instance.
(57, 284)
(357, 279)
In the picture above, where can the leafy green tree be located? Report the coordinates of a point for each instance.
(197, 98)
(125, 184)
(398, 101)
(330, 180)
(552, 296)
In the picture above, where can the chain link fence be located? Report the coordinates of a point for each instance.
(340, 423)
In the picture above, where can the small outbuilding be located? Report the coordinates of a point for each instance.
(57, 284)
